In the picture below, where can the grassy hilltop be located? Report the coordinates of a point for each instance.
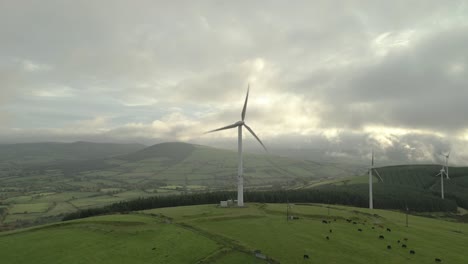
(207, 234)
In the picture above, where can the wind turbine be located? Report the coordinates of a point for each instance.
(371, 201)
(441, 174)
(239, 125)
(446, 163)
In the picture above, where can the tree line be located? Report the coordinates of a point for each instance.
(388, 198)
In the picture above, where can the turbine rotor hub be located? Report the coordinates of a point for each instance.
(240, 123)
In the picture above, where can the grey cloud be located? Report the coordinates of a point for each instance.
(411, 88)
(137, 63)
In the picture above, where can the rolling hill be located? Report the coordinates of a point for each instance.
(51, 151)
(43, 191)
(407, 182)
(209, 234)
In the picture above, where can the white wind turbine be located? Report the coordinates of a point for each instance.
(239, 125)
(443, 171)
(371, 199)
(446, 163)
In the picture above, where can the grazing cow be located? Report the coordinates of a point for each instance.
(398, 241)
(324, 222)
(334, 219)
(327, 238)
(306, 256)
(389, 247)
(381, 237)
(373, 227)
(389, 230)
(360, 230)
(403, 246)
(412, 252)
(348, 220)
(405, 239)
(438, 260)
(153, 249)
(330, 231)
(354, 223)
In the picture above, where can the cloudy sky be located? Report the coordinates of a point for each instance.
(343, 76)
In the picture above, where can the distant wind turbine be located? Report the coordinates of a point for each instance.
(446, 163)
(371, 169)
(443, 171)
(239, 125)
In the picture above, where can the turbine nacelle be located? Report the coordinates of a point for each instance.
(239, 123)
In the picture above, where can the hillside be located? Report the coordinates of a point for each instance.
(37, 193)
(51, 151)
(408, 181)
(208, 234)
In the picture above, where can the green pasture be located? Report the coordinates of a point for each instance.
(264, 227)
(29, 208)
(61, 209)
(209, 234)
(95, 201)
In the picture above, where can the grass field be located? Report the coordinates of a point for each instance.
(208, 234)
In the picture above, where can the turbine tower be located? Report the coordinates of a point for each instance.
(441, 174)
(239, 125)
(371, 169)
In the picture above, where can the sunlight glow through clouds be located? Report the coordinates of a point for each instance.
(386, 42)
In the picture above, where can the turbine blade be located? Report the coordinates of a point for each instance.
(251, 131)
(372, 157)
(223, 128)
(438, 174)
(245, 103)
(378, 174)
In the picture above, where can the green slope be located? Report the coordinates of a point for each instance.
(208, 234)
(409, 181)
(51, 151)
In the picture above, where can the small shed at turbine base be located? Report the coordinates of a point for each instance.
(227, 203)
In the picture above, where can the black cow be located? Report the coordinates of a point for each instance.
(389, 230)
(398, 241)
(360, 230)
(403, 246)
(306, 256)
(348, 220)
(153, 249)
(373, 227)
(330, 231)
(324, 221)
(381, 237)
(412, 252)
(354, 223)
(327, 238)
(438, 260)
(405, 239)
(389, 247)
